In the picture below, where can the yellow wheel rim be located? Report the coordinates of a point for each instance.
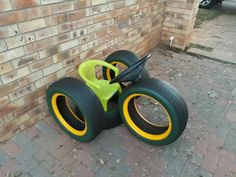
(62, 120)
(139, 131)
(115, 63)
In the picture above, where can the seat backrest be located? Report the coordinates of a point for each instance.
(88, 74)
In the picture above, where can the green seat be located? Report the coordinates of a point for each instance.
(102, 88)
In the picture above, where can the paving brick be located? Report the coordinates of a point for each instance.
(10, 166)
(4, 158)
(230, 115)
(2, 172)
(104, 171)
(227, 163)
(229, 144)
(43, 127)
(11, 148)
(32, 132)
(210, 161)
(23, 141)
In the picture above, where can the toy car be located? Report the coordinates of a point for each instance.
(152, 109)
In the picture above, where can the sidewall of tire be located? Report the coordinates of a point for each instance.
(144, 87)
(94, 118)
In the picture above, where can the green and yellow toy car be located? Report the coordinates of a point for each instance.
(152, 109)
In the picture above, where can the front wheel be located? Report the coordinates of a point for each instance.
(154, 111)
(76, 109)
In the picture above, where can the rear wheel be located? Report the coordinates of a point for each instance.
(122, 59)
(153, 111)
(76, 109)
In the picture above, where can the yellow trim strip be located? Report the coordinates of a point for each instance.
(108, 71)
(140, 131)
(62, 120)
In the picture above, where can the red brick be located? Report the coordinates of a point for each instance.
(46, 80)
(55, 20)
(41, 64)
(76, 15)
(15, 75)
(24, 4)
(21, 92)
(5, 5)
(6, 89)
(49, 52)
(12, 17)
(30, 78)
(31, 25)
(32, 97)
(8, 31)
(7, 109)
(82, 4)
(25, 108)
(37, 12)
(5, 68)
(64, 27)
(4, 100)
(63, 7)
(60, 38)
(36, 46)
(26, 60)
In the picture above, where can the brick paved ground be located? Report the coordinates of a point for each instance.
(217, 37)
(207, 148)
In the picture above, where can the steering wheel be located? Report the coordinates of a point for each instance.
(131, 73)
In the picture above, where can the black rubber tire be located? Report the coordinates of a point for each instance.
(125, 57)
(87, 104)
(210, 5)
(168, 97)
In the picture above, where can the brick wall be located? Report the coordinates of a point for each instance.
(44, 40)
(180, 16)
